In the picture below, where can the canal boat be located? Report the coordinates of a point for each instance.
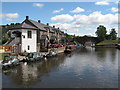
(33, 56)
(70, 48)
(67, 51)
(118, 46)
(6, 62)
(50, 54)
(37, 56)
(14, 59)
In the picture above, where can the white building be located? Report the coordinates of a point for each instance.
(31, 36)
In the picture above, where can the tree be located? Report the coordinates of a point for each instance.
(82, 40)
(69, 37)
(113, 34)
(108, 37)
(101, 33)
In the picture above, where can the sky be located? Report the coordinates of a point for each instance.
(79, 18)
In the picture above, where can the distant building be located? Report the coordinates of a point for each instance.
(31, 36)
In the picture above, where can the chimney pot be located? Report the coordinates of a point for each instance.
(47, 24)
(39, 21)
(27, 17)
(53, 26)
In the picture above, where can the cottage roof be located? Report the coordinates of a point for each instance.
(31, 24)
(38, 25)
(42, 26)
(23, 26)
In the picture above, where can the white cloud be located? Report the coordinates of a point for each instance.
(96, 18)
(57, 11)
(77, 10)
(62, 18)
(10, 16)
(1, 16)
(38, 4)
(102, 3)
(117, 2)
(113, 9)
(86, 24)
(10, 19)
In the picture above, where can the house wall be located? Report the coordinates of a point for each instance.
(32, 42)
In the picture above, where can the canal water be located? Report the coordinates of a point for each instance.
(84, 68)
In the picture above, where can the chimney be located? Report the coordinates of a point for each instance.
(47, 24)
(53, 26)
(39, 21)
(27, 17)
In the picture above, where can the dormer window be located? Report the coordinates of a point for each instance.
(29, 34)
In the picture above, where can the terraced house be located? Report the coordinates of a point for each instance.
(31, 36)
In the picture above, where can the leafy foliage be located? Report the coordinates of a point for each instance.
(113, 34)
(101, 33)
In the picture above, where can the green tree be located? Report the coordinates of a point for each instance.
(101, 33)
(69, 37)
(113, 34)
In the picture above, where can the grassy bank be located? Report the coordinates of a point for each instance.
(108, 42)
(1, 57)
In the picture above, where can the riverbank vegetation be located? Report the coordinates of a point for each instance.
(108, 42)
(104, 38)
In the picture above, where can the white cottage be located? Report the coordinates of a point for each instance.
(30, 35)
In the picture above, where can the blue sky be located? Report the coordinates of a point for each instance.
(79, 18)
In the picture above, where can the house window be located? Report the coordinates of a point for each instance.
(28, 47)
(23, 36)
(29, 34)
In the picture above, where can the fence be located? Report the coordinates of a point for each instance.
(8, 49)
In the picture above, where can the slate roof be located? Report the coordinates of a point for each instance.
(23, 26)
(31, 24)
(38, 25)
(41, 26)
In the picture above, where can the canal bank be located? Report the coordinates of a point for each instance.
(58, 50)
(108, 44)
(85, 68)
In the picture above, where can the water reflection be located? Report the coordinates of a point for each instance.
(86, 67)
(26, 75)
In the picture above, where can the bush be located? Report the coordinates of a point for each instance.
(4, 40)
(24, 53)
(44, 50)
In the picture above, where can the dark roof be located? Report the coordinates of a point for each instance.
(39, 25)
(30, 24)
(23, 26)
(51, 29)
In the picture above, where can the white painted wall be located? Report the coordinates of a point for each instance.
(32, 42)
